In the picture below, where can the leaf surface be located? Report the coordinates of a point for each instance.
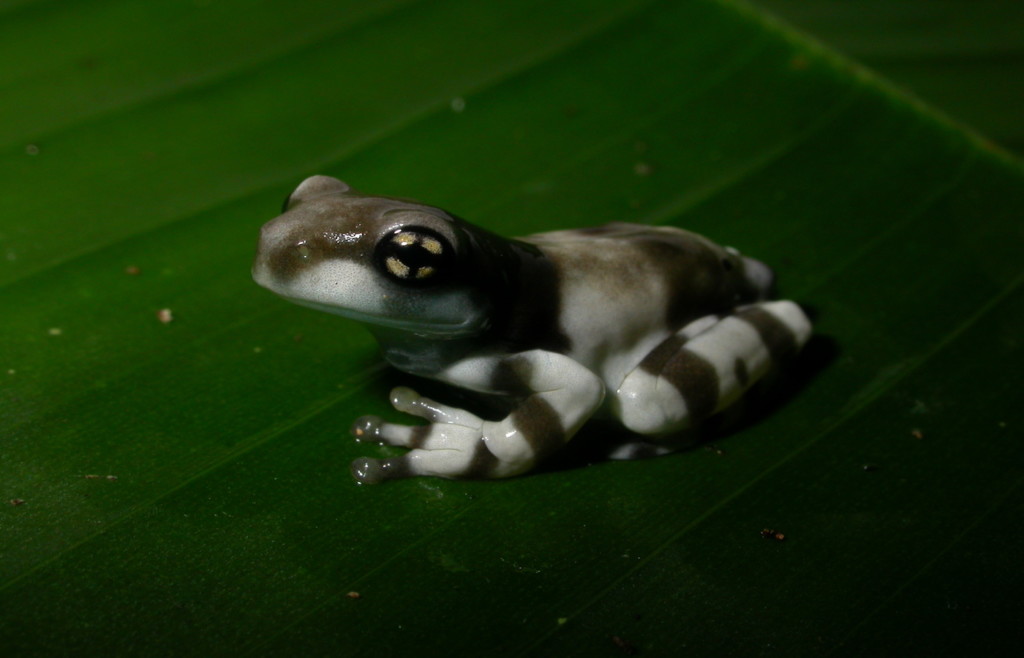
(157, 137)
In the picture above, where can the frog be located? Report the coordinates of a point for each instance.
(653, 327)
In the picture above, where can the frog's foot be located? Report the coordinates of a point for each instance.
(406, 400)
(561, 395)
(453, 445)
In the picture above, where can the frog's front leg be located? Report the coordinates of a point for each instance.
(558, 396)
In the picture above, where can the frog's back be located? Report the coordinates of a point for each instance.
(701, 276)
(624, 288)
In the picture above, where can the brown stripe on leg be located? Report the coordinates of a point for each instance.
(777, 337)
(419, 436)
(481, 466)
(512, 376)
(656, 359)
(540, 425)
(696, 380)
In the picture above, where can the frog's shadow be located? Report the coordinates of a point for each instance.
(599, 438)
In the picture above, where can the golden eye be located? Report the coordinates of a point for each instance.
(415, 255)
(433, 246)
(397, 268)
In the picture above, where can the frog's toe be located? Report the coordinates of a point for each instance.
(367, 428)
(408, 401)
(477, 463)
(375, 429)
(373, 471)
(367, 471)
(405, 399)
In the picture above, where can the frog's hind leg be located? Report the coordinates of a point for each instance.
(708, 365)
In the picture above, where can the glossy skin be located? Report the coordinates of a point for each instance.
(658, 327)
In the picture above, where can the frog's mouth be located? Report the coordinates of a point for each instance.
(471, 326)
(442, 314)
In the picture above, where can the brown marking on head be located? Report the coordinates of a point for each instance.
(325, 219)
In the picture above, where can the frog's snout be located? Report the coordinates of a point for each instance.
(292, 251)
(271, 254)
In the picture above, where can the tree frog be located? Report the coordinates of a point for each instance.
(656, 327)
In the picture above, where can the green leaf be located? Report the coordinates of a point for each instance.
(959, 55)
(183, 487)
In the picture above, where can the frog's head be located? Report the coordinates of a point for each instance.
(387, 262)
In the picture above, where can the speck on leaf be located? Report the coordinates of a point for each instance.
(624, 645)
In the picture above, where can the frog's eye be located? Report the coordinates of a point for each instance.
(415, 255)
